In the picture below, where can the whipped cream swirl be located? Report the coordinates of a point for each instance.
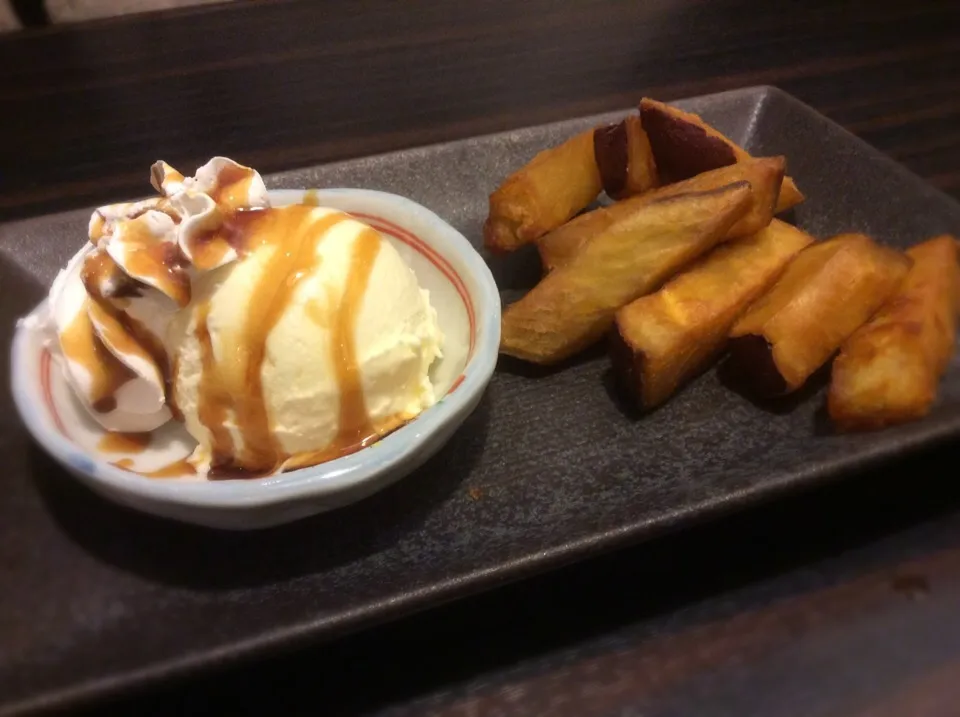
(109, 309)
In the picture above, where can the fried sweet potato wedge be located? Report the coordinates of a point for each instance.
(887, 372)
(663, 340)
(764, 175)
(574, 306)
(684, 146)
(826, 293)
(542, 195)
(624, 158)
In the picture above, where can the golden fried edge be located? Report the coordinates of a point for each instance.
(573, 306)
(888, 371)
(663, 340)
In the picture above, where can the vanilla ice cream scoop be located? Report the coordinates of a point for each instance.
(317, 342)
(281, 336)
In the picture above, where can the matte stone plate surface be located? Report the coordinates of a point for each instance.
(548, 470)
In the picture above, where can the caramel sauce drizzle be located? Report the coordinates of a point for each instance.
(162, 173)
(294, 235)
(153, 261)
(103, 278)
(117, 337)
(164, 207)
(232, 190)
(123, 332)
(172, 175)
(296, 239)
(123, 442)
(214, 400)
(231, 194)
(355, 430)
(311, 198)
(81, 344)
(355, 426)
(127, 335)
(234, 384)
(209, 249)
(177, 469)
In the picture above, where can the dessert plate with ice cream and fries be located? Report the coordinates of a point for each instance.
(686, 303)
(707, 304)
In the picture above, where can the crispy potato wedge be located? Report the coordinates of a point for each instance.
(663, 340)
(551, 188)
(887, 372)
(826, 293)
(764, 175)
(624, 158)
(573, 306)
(685, 146)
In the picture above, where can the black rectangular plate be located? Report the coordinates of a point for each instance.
(548, 470)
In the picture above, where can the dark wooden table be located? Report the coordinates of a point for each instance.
(840, 601)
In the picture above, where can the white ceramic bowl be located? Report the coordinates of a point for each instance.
(465, 296)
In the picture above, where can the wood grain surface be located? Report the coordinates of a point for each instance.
(292, 83)
(839, 602)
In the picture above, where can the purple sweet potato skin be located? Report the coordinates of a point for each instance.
(611, 150)
(682, 148)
